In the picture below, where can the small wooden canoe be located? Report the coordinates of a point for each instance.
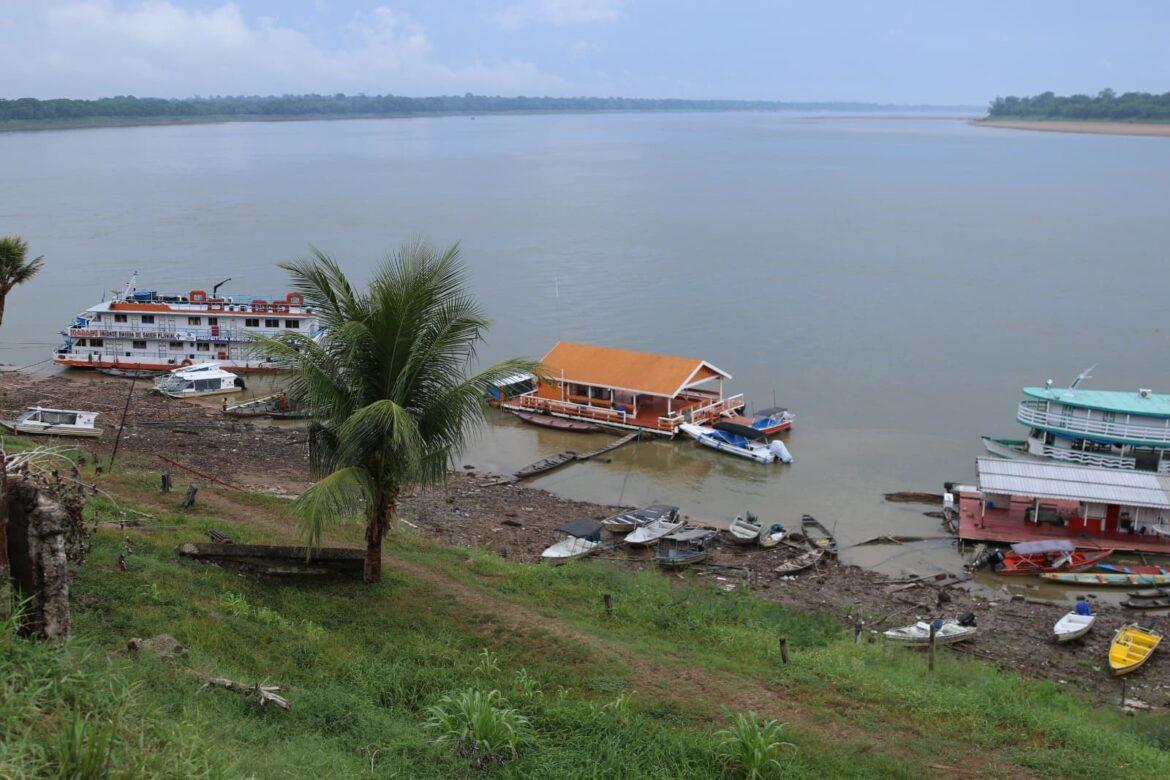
(1132, 646)
(1073, 626)
(771, 534)
(1149, 593)
(919, 634)
(818, 536)
(1035, 563)
(546, 464)
(678, 557)
(1106, 580)
(1162, 603)
(1125, 568)
(801, 562)
(558, 423)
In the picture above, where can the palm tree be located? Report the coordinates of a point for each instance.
(15, 267)
(386, 384)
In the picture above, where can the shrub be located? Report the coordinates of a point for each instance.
(479, 724)
(750, 745)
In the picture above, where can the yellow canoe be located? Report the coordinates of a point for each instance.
(1132, 645)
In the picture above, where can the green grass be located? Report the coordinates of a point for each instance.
(642, 693)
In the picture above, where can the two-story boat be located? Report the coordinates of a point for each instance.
(158, 331)
(1098, 428)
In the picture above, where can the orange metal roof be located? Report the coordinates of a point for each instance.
(623, 369)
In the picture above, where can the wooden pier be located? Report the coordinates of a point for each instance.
(547, 464)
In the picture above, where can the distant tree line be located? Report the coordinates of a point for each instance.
(1107, 104)
(129, 107)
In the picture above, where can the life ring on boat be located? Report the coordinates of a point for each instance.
(198, 296)
(185, 363)
(295, 299)
(215, 304)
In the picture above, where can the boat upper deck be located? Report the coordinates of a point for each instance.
(1139, 402)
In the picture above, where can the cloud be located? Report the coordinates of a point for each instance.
(89, 48)
(559, 13)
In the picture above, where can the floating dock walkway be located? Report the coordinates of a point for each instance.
(545, 465)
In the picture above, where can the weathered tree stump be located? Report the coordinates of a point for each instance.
(36, 546)
(189, 499)
(166, 482)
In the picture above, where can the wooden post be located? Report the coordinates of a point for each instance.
(857, 633)
(189, 499)
(1123, 681)
(930, 649)
(784, 650)
(608, 599)
(166, 482)
(122, 424)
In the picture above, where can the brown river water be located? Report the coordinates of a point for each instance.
(894, 282)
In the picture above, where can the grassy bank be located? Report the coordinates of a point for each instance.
(640, 693)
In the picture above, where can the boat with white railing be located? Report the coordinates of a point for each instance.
(1097, 428)
(150, 330)
(42, 421)
(201, 380)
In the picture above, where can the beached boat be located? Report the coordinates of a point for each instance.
(743, 530)
(1162, 603)
(557, 423)
(946, 632)
(1107, 579)
(582, 537)
(1030, 558)
(1150, 593)
(684, 548)
(1126, 568)
(546, 464)
(624, 522)
(738, 440)
(42, 421)
(160, 331)
(199, 380)
(1075, 624)
(767, 421)
(254, 407)
(817, 535)
(1132, 646)
(801, 562)
(129, 373)
(771, 534)
(651, 532)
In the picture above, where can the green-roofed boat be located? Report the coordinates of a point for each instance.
(1111, 429)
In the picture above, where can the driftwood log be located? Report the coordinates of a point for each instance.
(265, 693)
(35, 537)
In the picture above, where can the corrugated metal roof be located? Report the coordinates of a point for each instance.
(1073, 483)
(624, 369)
(1125, 402)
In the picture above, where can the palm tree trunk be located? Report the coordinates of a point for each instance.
(3, 297)
(375, 530)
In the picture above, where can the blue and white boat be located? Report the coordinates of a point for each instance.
(738, 440)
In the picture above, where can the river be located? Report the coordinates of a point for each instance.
(893, 281)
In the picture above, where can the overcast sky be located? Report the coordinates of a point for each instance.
(929, 51)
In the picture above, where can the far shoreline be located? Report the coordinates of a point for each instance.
(1148, 129)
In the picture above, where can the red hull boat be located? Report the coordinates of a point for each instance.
(1038, 563)
(558, 423)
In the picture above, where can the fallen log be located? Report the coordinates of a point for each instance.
(278, 561)
(265, 693)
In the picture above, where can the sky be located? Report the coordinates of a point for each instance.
(952, 52)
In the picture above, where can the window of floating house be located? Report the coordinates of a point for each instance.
(194, 320)
(138, 345)
(272, 323)
(96, 342)
(294, 324)
(203, 346)
(252, 322)
(176, 345)
(147, 319)
(119, 318)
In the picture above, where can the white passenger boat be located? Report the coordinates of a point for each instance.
(738, 440)
(200, 380)
(40, 420)
(151, 330)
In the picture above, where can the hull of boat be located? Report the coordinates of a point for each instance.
(1028, 565)
(1132, 646)
(800, 563)
(1073, 626)
(1012, 449)
(236, 366)
(203, 393)
(818, 535)
(51, 430)
(1120, 568)
(1107, 580)
(556, 423)
(650, 534)
(915, 636)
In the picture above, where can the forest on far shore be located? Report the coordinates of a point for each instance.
(1105, 105)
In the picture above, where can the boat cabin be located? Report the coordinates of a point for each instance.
(627, 389)
(510, 387)
(1018, 501)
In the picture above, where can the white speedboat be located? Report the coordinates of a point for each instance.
(649, 534)
(581, 538)
(919, 633)
(1075, 624)
(42, 421)
(199, 380)
(738, 440)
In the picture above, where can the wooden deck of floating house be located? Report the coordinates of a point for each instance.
(625, 389)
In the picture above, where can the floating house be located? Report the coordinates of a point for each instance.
(1099, 428)
(626, 389)
(1017, 501)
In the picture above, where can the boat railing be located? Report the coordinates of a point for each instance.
(700, 414)
(1037, 414)
(183, 334)
(1096, 459)
(601, 414)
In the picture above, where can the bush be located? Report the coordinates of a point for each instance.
(750, 745)
(479, 725)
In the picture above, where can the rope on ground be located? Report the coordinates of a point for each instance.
(25, 368)
(197, 473)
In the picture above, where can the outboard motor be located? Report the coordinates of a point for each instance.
(778, 449)
(967, 619)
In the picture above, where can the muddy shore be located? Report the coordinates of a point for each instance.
(1074, 126)
(516, 522)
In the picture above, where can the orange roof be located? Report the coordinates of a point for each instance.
(623, 369)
